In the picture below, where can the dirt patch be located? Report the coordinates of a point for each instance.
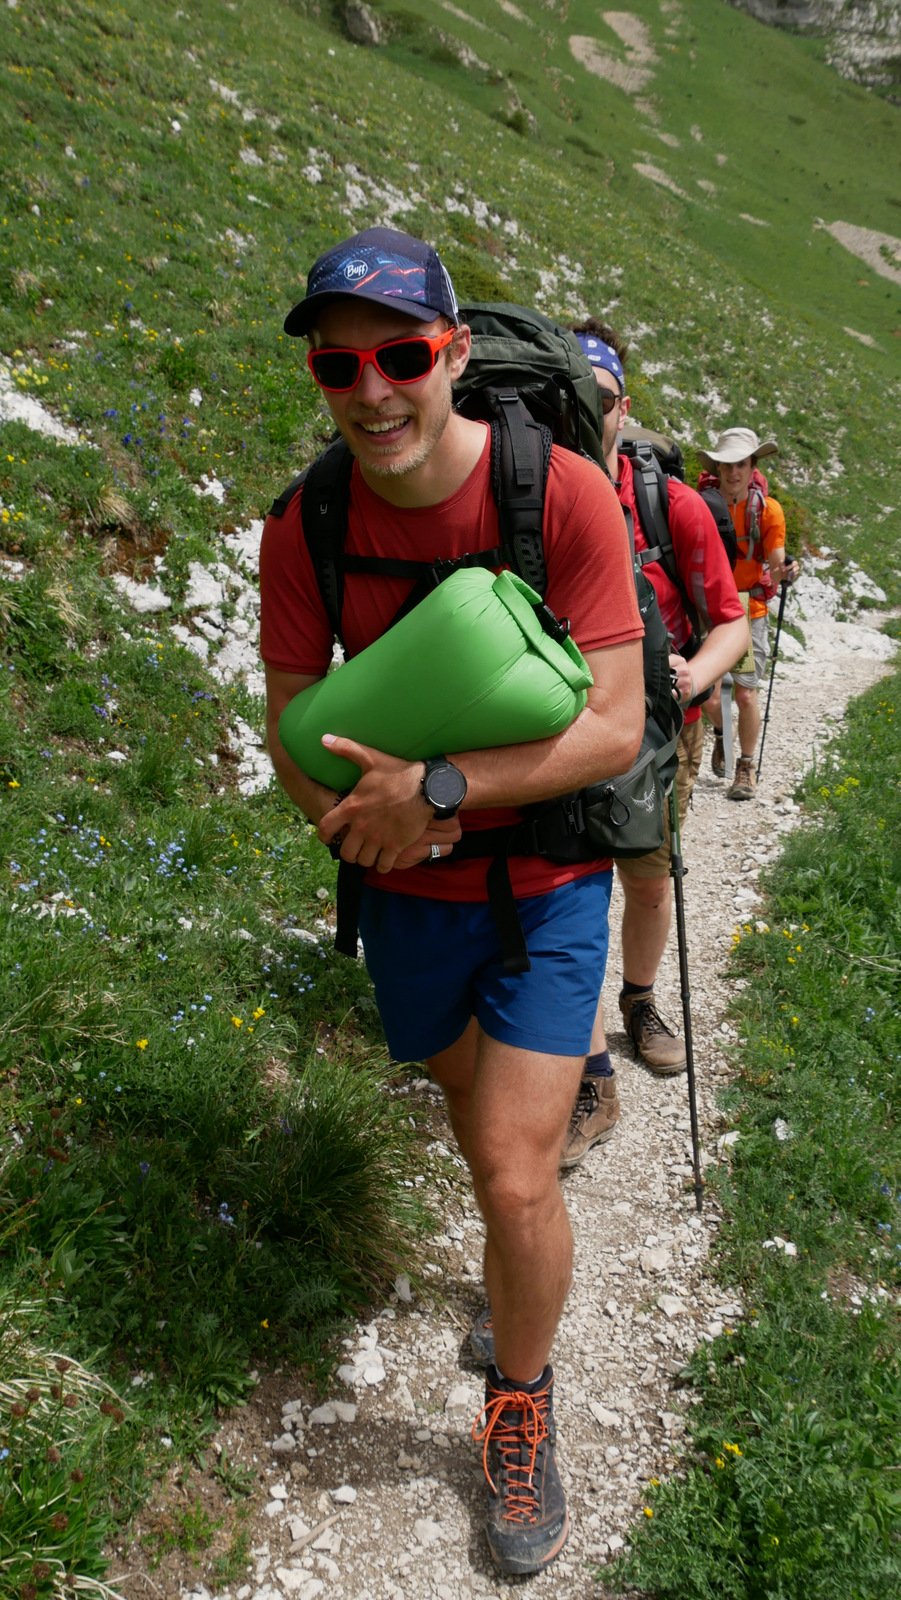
(632, 74)
(881, 251)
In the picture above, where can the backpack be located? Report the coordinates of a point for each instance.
(618, 817)
(520, 350)
(655, 459)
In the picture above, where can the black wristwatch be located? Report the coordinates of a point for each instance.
(443, 787)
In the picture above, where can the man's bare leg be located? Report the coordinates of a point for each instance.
(748, 719)
(528, 1249)
(646, 923)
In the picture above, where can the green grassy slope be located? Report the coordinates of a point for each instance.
(171, 176)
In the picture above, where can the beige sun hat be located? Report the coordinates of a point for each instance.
(736, 444)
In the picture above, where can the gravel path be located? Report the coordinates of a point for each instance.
(377, 1495)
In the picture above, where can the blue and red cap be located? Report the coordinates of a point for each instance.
(602, 355)
(391, 268)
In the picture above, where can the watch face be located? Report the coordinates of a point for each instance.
(445, 786)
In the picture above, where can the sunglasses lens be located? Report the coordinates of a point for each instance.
(406, 360)
(335, 369)
(608, 401)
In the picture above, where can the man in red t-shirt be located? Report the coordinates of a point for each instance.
(707, 580)
(386, 345)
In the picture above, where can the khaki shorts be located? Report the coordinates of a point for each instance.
(760, 645)
(691, 746)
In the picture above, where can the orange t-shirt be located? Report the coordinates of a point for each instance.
(772, 533)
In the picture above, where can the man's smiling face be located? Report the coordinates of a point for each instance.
(391, 428)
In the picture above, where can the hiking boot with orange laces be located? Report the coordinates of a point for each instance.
(658, 1046)
(593, 1120)
(527, 1521)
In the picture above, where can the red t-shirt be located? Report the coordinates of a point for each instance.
(589, 580)
(700, 558)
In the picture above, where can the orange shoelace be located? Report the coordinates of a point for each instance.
(531, 1430)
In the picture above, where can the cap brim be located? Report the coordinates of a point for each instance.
(303, 316)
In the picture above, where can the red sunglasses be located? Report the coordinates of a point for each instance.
(399, 361)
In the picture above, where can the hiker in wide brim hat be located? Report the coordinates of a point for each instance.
(737, 444)
(762, 565)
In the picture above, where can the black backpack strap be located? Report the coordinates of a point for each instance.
(324, 508)
(520, 458)
(652, 500)
(281, 504)
(347, 906)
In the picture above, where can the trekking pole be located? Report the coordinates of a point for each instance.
(783, 591)
(677, 873)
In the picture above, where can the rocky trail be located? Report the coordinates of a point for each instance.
(376, 1494)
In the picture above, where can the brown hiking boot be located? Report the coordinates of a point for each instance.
(718, 757)
(594, 1118)
(527, 1520)
(744, 783)
(658, 1046)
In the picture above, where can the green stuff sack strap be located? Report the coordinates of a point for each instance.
(480, 662)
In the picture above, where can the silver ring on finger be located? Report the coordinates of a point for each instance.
(434, 852)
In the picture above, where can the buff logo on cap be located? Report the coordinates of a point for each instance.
(382, 265)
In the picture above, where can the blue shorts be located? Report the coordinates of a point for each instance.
(437, 963)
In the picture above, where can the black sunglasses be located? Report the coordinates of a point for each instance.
(399, 361)
(608, 400)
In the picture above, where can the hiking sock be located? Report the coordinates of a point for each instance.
(526, 1388)
(633, 988)
(598, 1066)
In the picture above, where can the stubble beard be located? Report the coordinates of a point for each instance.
(405, 463)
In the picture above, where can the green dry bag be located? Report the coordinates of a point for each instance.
(479, 663)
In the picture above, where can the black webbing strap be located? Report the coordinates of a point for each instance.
(324, 509)
(652, 500)
(520, 456)
(347, 906)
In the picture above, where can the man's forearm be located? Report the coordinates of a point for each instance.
(724, 645)
(312, 798)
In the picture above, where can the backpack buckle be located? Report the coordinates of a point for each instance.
(443, 568)
(557, 627)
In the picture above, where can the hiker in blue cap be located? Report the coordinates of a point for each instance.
(385, 346)
(703, 573)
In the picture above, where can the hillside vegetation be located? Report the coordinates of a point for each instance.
(191, 1181)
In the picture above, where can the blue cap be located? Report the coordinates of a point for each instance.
(600, 355)
(380, 264)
